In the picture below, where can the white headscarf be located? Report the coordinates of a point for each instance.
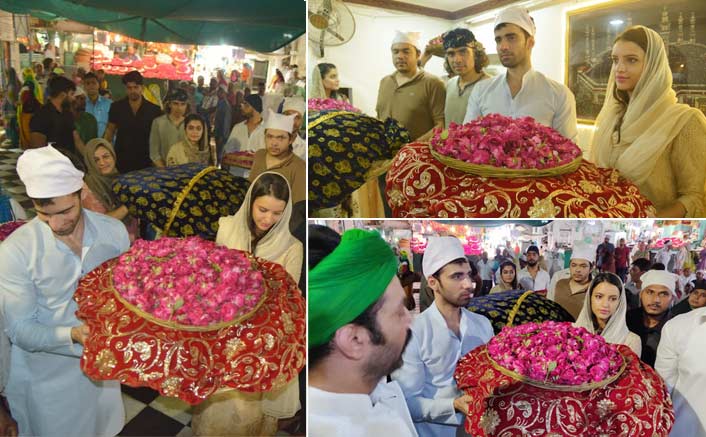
(652, 120)
(316, 89)
(234, 232)
(616, 330)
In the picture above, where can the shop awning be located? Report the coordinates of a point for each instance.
(262, 25)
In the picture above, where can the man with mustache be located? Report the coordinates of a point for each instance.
(657, 296)
(54, 122)
(570, 292)
(358, 328)
(441, 335)
(532, 276)
(522, 91)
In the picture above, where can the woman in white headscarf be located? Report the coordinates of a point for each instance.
(657, 143)
(325, 83)
(604, 311)
(261, 226)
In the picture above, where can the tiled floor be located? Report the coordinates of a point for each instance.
(149, 414)
(10, 182)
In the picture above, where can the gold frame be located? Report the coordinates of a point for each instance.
(569, 14)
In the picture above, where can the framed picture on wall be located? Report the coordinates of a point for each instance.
(590, 33)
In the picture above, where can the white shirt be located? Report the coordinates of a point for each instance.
(384, 413)
(240, 141)
(427, 375)
(485, 270)
(548, 102)
(48, 393)
(663, 256)
(540, 282)
(680, 361)
(299, 147)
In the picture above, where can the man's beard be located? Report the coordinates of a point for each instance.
(385, 363)
(531, 263)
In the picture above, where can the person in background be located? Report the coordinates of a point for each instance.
(102, 82)
(85, 124)
(194, 148)
(485, 269)
(9, 106)
(604, 310)
(695, 299)
(532, 277)
(54, 122)
(222, 120)
(325, 83)
(130, 120)
(656, 297)
(296, 106)
(641, 251)
(605, 256)
(96, 105)
(508, 278)
(634, 285)
(622, 259)
(168, 129)
(570, 292)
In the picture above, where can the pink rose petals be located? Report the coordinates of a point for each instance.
(331, 105)
(505, 142)
(188, 281)
(555, 352)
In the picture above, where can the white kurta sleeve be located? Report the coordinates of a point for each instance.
(473, 108)
(667, 363)
(293, 260)
(411, 377)
(18, 299)
(564, 120)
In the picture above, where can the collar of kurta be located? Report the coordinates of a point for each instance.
(418, 76)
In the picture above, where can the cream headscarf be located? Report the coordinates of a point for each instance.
(316, 88)
(652, 120)
(234, 233)
(616, 330)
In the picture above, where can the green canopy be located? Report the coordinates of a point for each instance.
(262, 25)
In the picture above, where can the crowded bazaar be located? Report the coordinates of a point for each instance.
(152, 219)
(507, 328)
(537, 109)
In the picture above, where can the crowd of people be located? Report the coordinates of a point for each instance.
(79, 142)
(364, 333)
(661, 148)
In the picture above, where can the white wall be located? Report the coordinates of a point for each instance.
(365, 59)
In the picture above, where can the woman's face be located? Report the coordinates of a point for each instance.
(604, 301)
(628, 63)
(331, 80)
(507, 274)
(104, 160)
(194, 131)
(266, 211)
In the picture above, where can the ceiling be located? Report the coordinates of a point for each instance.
(445, 9)
(444, 5)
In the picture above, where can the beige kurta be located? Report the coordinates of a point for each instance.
(679, 173)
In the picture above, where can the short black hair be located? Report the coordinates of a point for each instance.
(90, 75)
(658, 266)
(463, 260)
(642, 263)
(134, 76)
(44, 201)
(47, 63)
(59, 84)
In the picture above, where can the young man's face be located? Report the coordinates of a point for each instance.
(461, 59)
(91, 86)
(580, 270)
(454, 283)
(277, 142)
(62, 215)
(513, 47)
(404, 57)
(134, 91)
(655, 299)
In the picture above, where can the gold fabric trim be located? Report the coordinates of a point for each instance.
(185, 192)
(490, 171)
(326, 117)
(516, 308)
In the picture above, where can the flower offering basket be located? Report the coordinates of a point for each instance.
(258, 351)
(345, 150)
(181, 200)
(632, 401)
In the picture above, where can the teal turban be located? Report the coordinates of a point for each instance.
(347, 281)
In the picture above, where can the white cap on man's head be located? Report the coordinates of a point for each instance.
(518, 16)
(48, 173)
(294, 103)
(279, 121)
(659, 277)
(439, 252)
(583, 251)
(407, 37)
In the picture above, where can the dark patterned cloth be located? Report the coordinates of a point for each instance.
(343, 147)
(151, 194)
(534, 308)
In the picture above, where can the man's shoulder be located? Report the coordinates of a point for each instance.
(557, 87)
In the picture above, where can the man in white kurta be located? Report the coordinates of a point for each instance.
(522, 91)
(248, 135)
(48, 393)
(532, 277)
(441, 335)
(358, 327)
(680, 361)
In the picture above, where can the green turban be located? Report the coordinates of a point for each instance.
(348, 281)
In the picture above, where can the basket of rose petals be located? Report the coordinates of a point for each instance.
(435, 46)
(187, 317)
(552, 378)
(504, 147)
(315, 105)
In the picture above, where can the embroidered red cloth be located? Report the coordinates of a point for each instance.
(418, 185)
(260, 354)
(635, 404)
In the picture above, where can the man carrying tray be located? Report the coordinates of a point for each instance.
(40, 265)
